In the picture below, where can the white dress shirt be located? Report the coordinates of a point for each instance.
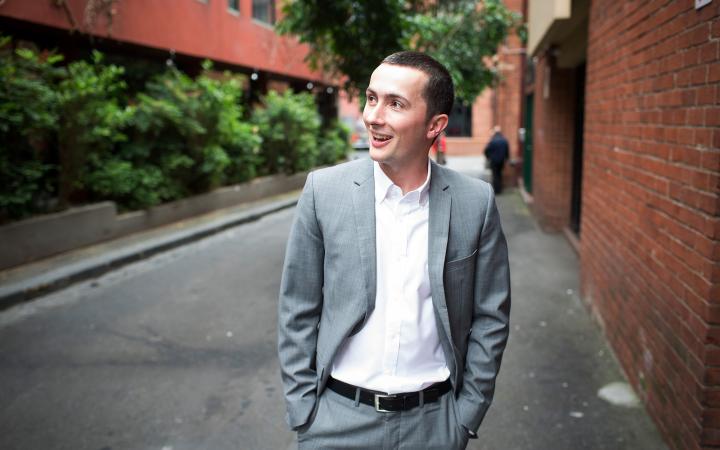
(398, 349)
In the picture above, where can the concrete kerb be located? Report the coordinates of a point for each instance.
(24, 289)
(42, 237)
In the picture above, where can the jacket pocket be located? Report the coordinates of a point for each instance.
(459, 263)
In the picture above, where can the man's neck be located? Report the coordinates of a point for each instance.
(408, 177)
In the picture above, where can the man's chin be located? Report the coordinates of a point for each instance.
(378, 155)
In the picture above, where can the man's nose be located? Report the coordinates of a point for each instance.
(373, 115)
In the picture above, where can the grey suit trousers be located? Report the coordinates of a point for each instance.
(340, 423)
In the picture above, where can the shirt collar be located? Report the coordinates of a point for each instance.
(383, 184)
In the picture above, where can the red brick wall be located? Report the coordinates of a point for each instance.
(552, 143)
(650, 255)
(509, 89)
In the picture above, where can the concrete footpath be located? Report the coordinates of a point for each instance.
(560, 388)
(29, 281)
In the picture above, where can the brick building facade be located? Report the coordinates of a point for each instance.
(626, 160)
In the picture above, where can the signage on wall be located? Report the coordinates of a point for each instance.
(700, 3)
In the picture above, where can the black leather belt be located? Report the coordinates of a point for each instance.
(392, 402)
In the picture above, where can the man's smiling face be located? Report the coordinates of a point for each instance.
(395, 115)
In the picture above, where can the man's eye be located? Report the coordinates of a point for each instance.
(396, 104)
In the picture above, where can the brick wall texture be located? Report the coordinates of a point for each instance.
(649, 244)
(509, 88)
(554, 108)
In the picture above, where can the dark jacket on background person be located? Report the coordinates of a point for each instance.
(497, 150)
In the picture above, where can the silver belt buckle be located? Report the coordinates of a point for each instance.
(377, 402)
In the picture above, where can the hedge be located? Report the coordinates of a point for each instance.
(72, 134)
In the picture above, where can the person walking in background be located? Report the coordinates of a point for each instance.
(497, 152)
(394, 302)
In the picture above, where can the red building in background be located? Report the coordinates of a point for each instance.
(235, 34)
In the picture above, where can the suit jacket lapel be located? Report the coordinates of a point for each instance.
(438, 227)
(363, 196)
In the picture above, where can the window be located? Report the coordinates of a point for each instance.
(264, 11)
(460, 122)
(234, 5)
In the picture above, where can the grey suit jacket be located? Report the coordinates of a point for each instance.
(329, 281)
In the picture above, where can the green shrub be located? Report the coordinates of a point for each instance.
(242, 144)
(28, 123)
(93, 121)
(191, 131)
(169, 133)
(289, 125)
(130, 186)
(239, 140)
(72, 135)
(334, 144)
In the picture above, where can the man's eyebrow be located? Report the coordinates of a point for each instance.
(390, 95)
(398, 97)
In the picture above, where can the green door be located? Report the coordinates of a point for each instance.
(527, 149)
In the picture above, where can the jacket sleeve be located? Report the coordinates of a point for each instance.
(490, 325)
(300, 305)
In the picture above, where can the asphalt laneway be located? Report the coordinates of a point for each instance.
(176, 352)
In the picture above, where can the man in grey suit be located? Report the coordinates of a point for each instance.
(395, 295)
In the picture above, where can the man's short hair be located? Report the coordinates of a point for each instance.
(439, 92)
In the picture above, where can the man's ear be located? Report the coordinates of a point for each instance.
(436, 125)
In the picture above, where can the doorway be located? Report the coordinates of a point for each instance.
(528, 144)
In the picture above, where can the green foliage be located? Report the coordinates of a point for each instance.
(346, 37)
(191, 131)
(350, 38)
(334, 144)
(168, 135)
(289, 125)
(74, 134)
(24, 187)
(28, 121)
(186, 137)
(243, 147)
(463, 38)
(132, 185)
(138, 71)
(239, 140)
(92, 123)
